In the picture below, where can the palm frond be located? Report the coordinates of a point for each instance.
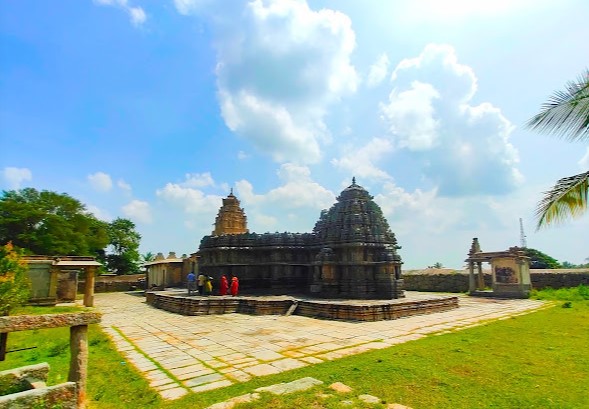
(568, 198)
(566, 113)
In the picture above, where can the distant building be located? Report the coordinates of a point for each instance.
(169, 271)
(351, 252)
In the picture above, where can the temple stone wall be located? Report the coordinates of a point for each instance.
(351, 252)
(107, 284)
(447, 280)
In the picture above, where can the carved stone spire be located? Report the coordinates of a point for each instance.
(475, 247)
(231, 218)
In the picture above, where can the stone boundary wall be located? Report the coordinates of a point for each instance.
(314, 309)
(109, 284)
(63, 396)
(456, 281)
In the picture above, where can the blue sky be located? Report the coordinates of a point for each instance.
(153, 110)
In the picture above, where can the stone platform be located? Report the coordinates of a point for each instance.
(179, 302)
(183, 354)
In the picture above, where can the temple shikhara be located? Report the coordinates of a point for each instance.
(351, 252)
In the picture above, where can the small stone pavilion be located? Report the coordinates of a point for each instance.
(351, 252)
(55, 278)
(510, 272)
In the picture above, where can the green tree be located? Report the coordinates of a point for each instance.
(541, 260)
(45, 222)
(147, 257)
(14, 283)
(566, 114)
(124, 243)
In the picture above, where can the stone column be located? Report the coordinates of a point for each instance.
(481, 276)
(89, 287)
(471, 281)
(79, 360)
(53, 278)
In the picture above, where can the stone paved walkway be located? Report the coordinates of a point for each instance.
(182, 354)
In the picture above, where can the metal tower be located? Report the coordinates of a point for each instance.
(522, 237)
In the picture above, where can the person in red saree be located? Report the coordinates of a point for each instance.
(234, 286)
(224, 286)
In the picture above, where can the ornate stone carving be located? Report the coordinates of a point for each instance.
(351, 252)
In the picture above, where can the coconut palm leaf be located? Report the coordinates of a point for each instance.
(567, 198)
(566, 113)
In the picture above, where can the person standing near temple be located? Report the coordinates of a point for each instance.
(191, 283)
(224, 286)
(209, 285)
(201, 283)
(234, 286)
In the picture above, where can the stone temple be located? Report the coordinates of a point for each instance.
(351, 252)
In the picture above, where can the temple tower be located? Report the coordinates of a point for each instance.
(359, 256)
(231, 218)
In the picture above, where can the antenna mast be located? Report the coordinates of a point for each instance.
(522, 235)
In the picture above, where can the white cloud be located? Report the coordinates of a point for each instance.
(410, 116)
(99, 213)
(198, 180)
(136, 14)
(362, 162)
(584, 162)
(297, 191)
(241, 155)
(100, 181)
(138, 210)
(187, 7)
(124, 186)
(378, 71)
(295, 205)
(280, 67)
(14, 177)
(463, 149)
(190, 199)
(438, 65)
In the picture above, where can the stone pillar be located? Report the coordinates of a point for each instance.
(79, 360)
(481, 276)
(471, 281)
(89, 288)
(53, 278)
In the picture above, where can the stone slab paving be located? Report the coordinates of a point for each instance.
(182, 354)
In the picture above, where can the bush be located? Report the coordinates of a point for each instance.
(14, 283)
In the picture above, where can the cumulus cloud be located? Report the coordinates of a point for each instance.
(584, 162)
(136, 14)
(189, 195)
(378, 71)
(280, 67)
(298, 190)
(124, 186)
(464, 149)
(362, 162)
(14, 177)
(294, 205)
(187, 7)
(410, 116)
(198, 180)
(100, 181)
(138, 210)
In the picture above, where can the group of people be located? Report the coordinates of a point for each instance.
(203, 285)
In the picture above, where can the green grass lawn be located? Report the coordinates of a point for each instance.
(538, 360)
